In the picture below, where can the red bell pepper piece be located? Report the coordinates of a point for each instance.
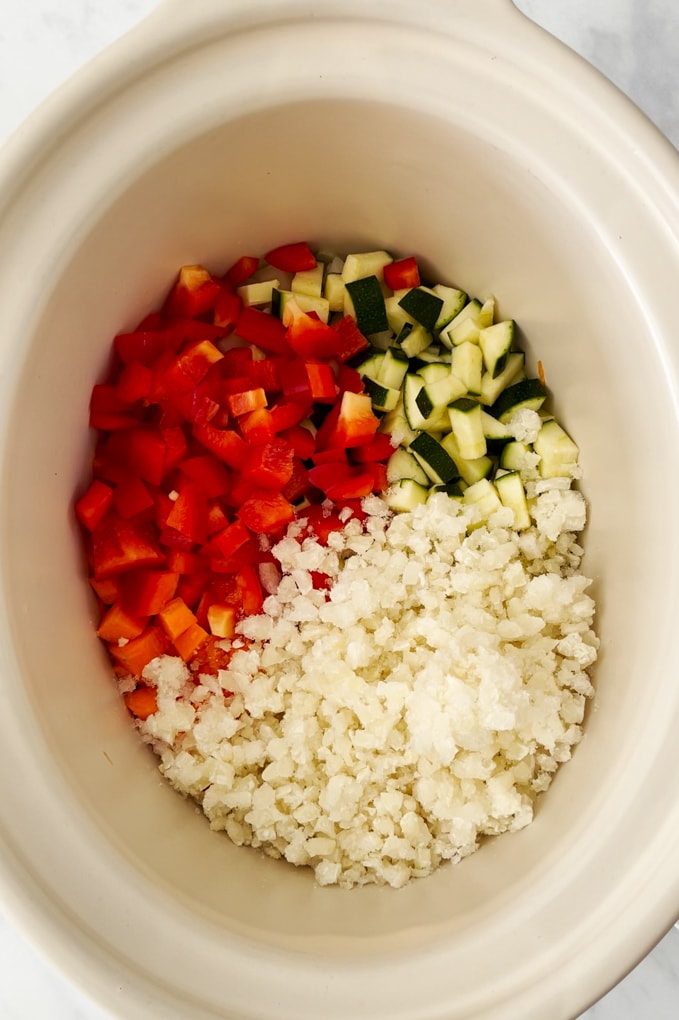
(225, 444)
(188, 515)
(350, 423)
(237, 361)
(264, 372)
(105, 398)
(216, 518)
(118, 623)
(350, 340)
(402, 274)
(137, 654)
(335, 455)
(379, 473)
(298, 484)
(132, 497)
(142, 701)
(181, 562)
(146, 592)
(291, 258)
(262, 330)
(208, 472)
(143, 346)
(301, 439)
(175, 445)
(379, 448)
(246, 401)
(257, 426)
(321, 521)
(228, 541)
(266, 512)
(112, 421)
(322, 383)
(295, 382)
(94, 503)
(289, 412)
(189, 368)
(119, 545)
(134, 382)
(193, 294)
(358, 485)
(311, 338)
(227, 310)
(349, 379)
(241, 270)
(250, 590)
(191, 587)
(269, 465)
(141, 451)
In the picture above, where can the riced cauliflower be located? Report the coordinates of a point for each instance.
(381, 727)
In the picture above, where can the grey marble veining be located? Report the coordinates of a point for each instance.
(634, 42)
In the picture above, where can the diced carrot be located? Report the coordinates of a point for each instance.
(190, 640)
(137, 653)
(141, 702)
(221, 620)
(175, 618)
(118, 623)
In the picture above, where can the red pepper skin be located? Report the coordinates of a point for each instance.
(348, 379)
(250, 590)
(379, 448)
(288, 413)
(230, 540)
(300, 439)
(119, 545)
(139, 451)
(146, 592)
(144, 346)
(213, 478)
(257, 426)
(266, 512)
(291, 258)
(351, 422)
(269, 465)
(311, 338)
(241, 271)
(225, 444)
(194, 293)
(246, 401)
(188, 515)
(132, 497)
(94, 503)
(134, 382)
(228, 307)
(350, 340)
(298, 484)
(262, 330)
(402, 274)
(322, 383)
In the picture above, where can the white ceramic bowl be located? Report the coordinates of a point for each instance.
(458, 131)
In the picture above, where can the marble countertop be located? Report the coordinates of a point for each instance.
(635, 43)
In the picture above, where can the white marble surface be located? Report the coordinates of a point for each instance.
(634, 42)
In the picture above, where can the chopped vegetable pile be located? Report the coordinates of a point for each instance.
(272, 404)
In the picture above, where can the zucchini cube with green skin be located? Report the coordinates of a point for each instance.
(496, 344)
(467, 365)
(518, 456)
(470, 470)
(454, 301)
(484, 496)
(405, 494)
(529, 393)
(382, 397)
(393, 368)
(309, 281)
(467, 425)
(397, 317)
(557, 451)
(513, 495)
(423, 306)
(434, 460)
(491, 388)
(367, 263)
(257, 294)
(403, 464)
(334, 292)
(413, 339)
(366, 303)
(452, 331)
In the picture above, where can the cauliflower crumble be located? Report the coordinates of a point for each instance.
(374, 730)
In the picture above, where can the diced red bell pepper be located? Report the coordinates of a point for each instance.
(142, 702)
(188, 515)
(379, 473)
(141, 451)
(112, 421)
(208, 472)
(180, 332)
(227, 542)
(311, 338)
(321, 382)
(175, 445)
(137, 654)
(349, 379)
(257, 426)
(262, 330)
(321, 521)
(216, 518)
(119, 545)
(188, 643)
(241, 270)
(266, 512)
(350, 340)
(250, 589)
(132, 497)
(193, 294)
(269, 465)
(94, 503)
(291, 258)
(191, 587)
(287, 413)
(225, 444)
(143, 346)
(295, 382)
(402, 274)
(246, 401)
(335, 455)
(301, 439)
(146, 592)
(350, 423)
(189, 368)
(264, 372)
(134, 382)
(228, 307)
(119, 623)
(105, 398)
(181, 562)
(176, 617)
(298, 484)
(358, 485)
(379, 448)
(248, 553)
(237, 361)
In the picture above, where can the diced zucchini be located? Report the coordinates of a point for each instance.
(467, 364)
(254, 294)
(529, 393)
(365, 301)
(382, 397)
(334, 291)
(513, 495)
(487, 313)
(432, 371)
(422, 305)
(396, 424)
(433, 353)
(406, 494)
(393, 368)
(471, 312)
(492, 388)
(484, 496)
(517, 456)
(445, 390)
(397, 317)
(557, 451)
(413, 339)
(470, 470)
(309, 281)
(367, 263)
(416, 402)
(452, 489)
(494, 429)
(454, 301)
(281, 298)
(496, 343)
(402, 464)
(434, 459)
(371, 366)
(467, 426)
